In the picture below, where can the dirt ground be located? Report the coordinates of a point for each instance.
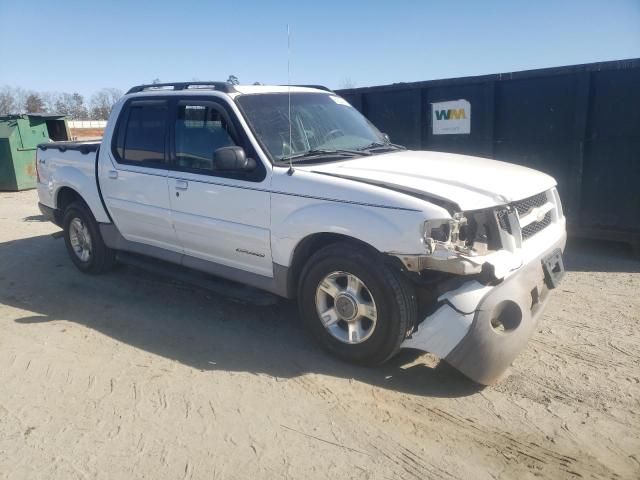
(128, 375)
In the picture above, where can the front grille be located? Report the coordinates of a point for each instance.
(525, 206)
(535, 227)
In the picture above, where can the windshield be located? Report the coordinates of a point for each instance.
(319, 123)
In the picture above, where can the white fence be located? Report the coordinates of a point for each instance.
(87, 123)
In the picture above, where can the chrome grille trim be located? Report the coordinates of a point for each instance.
(533, 228)
(523, 208)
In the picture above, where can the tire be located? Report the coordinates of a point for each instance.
(81, 234)
(392, 296)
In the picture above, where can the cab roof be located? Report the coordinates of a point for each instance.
(223, 87)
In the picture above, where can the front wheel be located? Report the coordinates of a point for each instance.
(358, 308)
(84, 242)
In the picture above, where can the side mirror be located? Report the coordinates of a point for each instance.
(232, 159)
(386, 138)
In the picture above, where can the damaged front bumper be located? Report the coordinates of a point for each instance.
(449, 261)
(480, 329)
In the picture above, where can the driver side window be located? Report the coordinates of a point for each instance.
(199, 131)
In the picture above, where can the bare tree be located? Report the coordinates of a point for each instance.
(7, 101)
(63, 104)
(233, 80)
(33, 103)
(49, 100)
(21, 98)
(103, 101)
(17, 100)
(80, 111)
(72, 105)
(347, 82)
(12, 100)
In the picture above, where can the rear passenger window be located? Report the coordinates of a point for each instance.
(141, 137)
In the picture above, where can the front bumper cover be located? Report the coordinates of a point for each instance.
(481, 329)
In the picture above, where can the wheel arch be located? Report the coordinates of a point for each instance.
(65, 196)
(310, 244)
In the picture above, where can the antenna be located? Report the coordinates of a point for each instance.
(290, 171)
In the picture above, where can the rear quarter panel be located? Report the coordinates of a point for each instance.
(72, 169)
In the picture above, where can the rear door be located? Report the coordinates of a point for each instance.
(219, 217)
(134, 179)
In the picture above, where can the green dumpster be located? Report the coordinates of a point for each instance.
(19, 139)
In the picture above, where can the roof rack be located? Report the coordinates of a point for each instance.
(319, 87)
(220, 86)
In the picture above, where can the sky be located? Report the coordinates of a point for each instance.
(82, 45)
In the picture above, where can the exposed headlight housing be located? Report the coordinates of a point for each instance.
(459, 245)
(437, 230)
(447, 248)
(448, 234)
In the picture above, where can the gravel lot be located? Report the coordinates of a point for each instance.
(128, 375)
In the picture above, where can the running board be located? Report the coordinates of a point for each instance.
(226, 288)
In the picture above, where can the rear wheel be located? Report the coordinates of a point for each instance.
(84, 242)
(358, 308)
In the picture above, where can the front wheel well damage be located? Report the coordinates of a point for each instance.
(427, 285)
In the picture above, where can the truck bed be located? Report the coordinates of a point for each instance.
(70, 166)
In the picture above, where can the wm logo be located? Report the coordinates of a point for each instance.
(451, 114)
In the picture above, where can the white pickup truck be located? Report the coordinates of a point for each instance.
(291, 190)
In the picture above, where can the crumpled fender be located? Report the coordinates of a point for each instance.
(350, 220)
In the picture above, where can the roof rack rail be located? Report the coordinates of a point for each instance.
(220, 86)
(319, 87)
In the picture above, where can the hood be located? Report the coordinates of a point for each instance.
(472, 183)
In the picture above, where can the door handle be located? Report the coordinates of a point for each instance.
(113, 174)
(182, 184)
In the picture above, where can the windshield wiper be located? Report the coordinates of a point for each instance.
(377, 145)
(320, 152)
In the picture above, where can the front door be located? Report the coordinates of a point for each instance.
(133, 177)
(219, 217)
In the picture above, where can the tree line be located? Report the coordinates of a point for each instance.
(16, 100)
(73, 105)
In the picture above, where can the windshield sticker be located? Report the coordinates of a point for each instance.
(339, 100)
